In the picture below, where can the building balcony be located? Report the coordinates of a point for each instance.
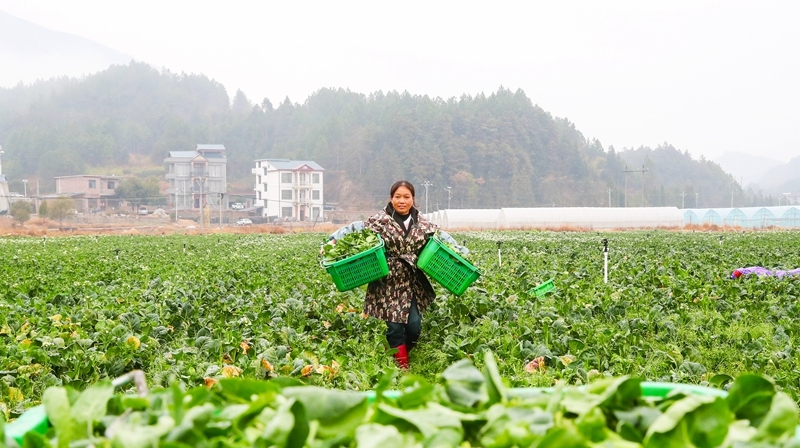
(303, 185)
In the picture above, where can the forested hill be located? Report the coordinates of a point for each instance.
(492, 150)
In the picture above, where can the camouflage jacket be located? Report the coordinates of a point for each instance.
(390, 297)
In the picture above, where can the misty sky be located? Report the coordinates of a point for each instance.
(705, 76)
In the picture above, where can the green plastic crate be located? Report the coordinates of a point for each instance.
(359, 269)
(541, 290)
(447, 267)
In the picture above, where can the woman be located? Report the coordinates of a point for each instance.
(400, 298)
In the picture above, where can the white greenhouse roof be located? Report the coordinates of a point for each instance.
(590, 217)
(469, 218)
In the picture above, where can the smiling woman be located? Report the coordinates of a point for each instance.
(400, 298)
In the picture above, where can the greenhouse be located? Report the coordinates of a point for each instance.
(555, 217)
(590, 217)
(477, 219)
(748, 217)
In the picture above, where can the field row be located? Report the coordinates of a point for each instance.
(74, 310)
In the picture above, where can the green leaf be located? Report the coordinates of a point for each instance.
(338, 412)
(253, 410)
(699, 419)
(59, 412)
(243, 389)
(780, 421)
(131, 435)
(464, 384)
(494, 383)
(288, 427)
(445, 438)
(427, 420)
(750, 397)
(416, 392)
(562, 437)
(91, 405)
(35, 440)
(379, 436)
(195, 418)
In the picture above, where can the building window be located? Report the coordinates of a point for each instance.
(286, 212)
(214, 171)
(315, 212)
(258, 179)
(258, 195)
(286, 178)
(286, 195)
(315, 195)
(315, 178)
(111, 185)
(92, 184)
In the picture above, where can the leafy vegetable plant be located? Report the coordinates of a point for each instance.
(471, 408)
(351, 244)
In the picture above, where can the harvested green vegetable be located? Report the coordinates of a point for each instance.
(452, 247)
(471, 409)
(351, 244)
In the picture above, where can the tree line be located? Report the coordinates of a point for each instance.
(496, 150)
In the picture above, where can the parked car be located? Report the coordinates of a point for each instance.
(142, 210)
(237, 206)
(244, 222)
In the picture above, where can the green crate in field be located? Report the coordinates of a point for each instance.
(447, 267)
(359, 269)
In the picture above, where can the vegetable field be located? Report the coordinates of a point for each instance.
(197, 309)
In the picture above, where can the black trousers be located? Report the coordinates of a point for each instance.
(398, 334)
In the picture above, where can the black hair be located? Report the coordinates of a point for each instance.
(402, 183)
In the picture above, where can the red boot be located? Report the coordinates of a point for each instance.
(401, 357)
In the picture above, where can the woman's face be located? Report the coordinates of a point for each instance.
(402, 200)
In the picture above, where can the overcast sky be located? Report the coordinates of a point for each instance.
(705, 76)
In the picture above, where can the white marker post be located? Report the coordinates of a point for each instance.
(499, 256)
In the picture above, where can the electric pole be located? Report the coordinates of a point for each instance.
(221, 195)
(683, 196)
(609, 196)
(448, 197)
(426, 184)
(626, 171)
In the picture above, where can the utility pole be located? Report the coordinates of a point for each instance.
(221, 195)
(426, 184)
(609, 196)
(696, 198)
(683, 195)
(448, 197)
(626, 171)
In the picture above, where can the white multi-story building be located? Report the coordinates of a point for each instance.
(289, 188)
(198, 177)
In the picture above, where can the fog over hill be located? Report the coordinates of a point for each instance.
(30, 51)
(747, 168)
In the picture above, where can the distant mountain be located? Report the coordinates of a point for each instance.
(782, 179)
(30, 52)
(749, 168)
